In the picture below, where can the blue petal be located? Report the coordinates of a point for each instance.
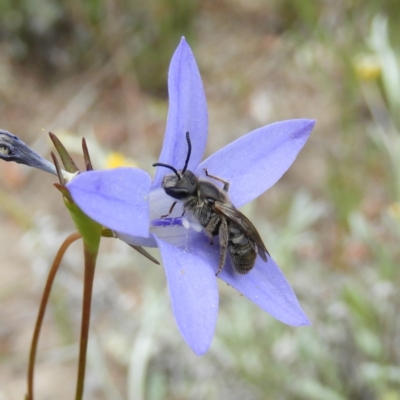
(256, 161)
(187, 113)
(117, 198)
(194, 294)
(265, 284)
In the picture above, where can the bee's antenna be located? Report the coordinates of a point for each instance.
(189, 152)
(167, 166)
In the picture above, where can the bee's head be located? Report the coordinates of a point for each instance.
(180, 187)
(182, 183)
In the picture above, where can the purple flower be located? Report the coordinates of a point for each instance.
(123, 201)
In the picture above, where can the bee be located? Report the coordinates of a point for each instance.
(211, 207)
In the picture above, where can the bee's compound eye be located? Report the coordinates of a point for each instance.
(178, 193)
(210, 200)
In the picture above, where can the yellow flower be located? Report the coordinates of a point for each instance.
(394, 210)
(115, 160)
(368, 67)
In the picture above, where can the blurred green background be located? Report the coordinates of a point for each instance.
(98, 69)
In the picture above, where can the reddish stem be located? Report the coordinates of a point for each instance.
(45, 297)
(90, 263)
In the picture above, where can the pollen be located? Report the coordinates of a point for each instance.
(4, 150)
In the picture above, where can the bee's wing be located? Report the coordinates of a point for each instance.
(230, 212)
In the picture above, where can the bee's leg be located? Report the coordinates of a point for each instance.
(226, 184)
(170, 210)
(211, 226)
(210, 237)
(223, 242)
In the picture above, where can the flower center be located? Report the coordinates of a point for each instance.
(176, 221)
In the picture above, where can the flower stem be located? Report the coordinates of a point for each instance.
(90, 263)
(45, 297)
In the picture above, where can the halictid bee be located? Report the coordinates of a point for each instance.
(212, 208)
